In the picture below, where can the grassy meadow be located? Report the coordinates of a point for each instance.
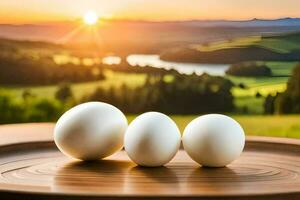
(246, 99)
(115, 79)
(282, 44)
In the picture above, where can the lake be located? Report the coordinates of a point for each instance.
(143, 60)
(184, 68)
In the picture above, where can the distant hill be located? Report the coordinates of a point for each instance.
(41, 63)
(282, 47)
(247, 23)
(18, 44)
(176, 32)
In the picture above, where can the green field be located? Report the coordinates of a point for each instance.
(247, 97)
(282, 43)
(244, 97)
(114, 79)
(273, 126)
(238, 42)
(265, 86)
(247, 101)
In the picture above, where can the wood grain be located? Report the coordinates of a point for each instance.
(31, 167)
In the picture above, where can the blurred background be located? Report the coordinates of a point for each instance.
(184, 58)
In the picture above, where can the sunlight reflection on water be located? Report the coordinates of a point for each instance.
(184, 68)
(111, 60)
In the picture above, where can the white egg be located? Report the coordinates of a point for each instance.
(213, 140)
(152, 139)
(90, 131)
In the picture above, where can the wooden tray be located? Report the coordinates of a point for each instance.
(32, 168)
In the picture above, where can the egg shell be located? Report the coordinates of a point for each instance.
(90, 131)
(213, 140)
(152, 139)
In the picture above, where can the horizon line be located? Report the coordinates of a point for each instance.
(151, 21)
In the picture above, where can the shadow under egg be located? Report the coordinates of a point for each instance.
(214, 180)
(148, 179)
(103, 176)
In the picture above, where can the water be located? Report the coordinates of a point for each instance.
(143, 60)
(111, 60)
(184, 68)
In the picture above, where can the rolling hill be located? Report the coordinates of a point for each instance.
(269, 47)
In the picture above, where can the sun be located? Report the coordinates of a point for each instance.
(90, 18)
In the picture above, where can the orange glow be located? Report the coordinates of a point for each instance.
(36, 11)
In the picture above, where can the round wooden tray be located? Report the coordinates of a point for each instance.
(32, 168)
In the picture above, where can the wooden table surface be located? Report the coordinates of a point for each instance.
(31, 167)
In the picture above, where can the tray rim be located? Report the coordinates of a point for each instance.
(51, 144)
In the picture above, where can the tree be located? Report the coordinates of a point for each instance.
(10, 111)
(242, 85)
(183, 94)
(258, 94)
(249, 69)
(293, 87)
(26, 94)
(289, 101)
(269, 104)
(64, 92)
(41, 110)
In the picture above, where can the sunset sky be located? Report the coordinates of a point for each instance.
(39, 11)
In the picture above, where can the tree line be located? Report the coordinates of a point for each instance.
(172, 94)
(42, 71)
(180, 94)
(249, 69)
(287, 102)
